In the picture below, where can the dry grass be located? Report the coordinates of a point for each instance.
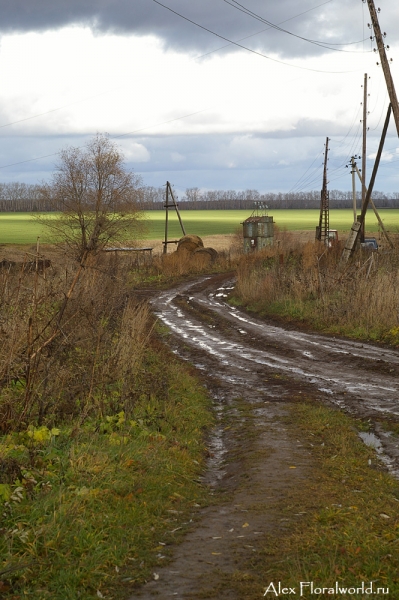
(306, 282)
(66, 338)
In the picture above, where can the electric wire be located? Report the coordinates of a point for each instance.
(340, 168)
(281, 62)
(304, 176)
(342, 140)
(311, 182)
(246, 11)
(262, 30)
(383, 111)
(312, 177)
(47, 112)
(306, 181)
(112, 137)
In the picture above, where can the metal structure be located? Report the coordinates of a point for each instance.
(168, 206)
(323, 228)
(258, 229)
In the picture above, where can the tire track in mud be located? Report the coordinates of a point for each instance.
(255, 371)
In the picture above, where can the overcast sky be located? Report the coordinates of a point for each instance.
(186, 104)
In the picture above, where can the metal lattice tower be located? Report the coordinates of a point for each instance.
(324, 219)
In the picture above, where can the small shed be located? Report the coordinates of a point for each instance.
(258, 232)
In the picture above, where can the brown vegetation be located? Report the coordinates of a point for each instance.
(73, 337)
(306, 282)
(66, 338)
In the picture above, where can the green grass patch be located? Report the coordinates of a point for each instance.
(22, 228)
(213, 222)
(92, 511)
(344, 520)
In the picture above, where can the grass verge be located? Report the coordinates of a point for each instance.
(90, 513)
(344, 521)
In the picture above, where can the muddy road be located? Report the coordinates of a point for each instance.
(255, 370)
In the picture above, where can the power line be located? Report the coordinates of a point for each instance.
(112, 137)
(262, 30)
(47, 112)
(281, 62)
(254, 15)
(342, 140)
(304, 174)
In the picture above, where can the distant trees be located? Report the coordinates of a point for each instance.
(19, 197)
(27, 198)
(195, 199)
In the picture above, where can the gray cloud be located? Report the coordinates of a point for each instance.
(334, 22)
(213, 161)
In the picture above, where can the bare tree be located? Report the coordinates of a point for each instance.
(97, 200)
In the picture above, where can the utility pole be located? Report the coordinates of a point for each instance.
(381, 224)
(353, 172)
(355, 230)
(324, 219)
(363, 228)
(384, 63)
(168, 206)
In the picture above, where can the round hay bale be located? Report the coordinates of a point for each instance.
(207, 254)
(189, 243)
(210, 251)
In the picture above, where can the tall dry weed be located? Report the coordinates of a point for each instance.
(308, 282)
(54, 368)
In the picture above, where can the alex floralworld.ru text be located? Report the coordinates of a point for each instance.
(309, 587)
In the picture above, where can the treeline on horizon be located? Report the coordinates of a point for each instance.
(23, 197)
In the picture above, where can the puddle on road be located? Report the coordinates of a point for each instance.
(217, 451)
(373, 441)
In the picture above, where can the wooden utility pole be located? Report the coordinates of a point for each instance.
(381, 224)
(168, 206)
(364, 153)
(354, 188)
(384, 63)
(324, 219)
(355, 230)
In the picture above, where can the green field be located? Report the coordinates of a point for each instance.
(22, 228)
(214, 222)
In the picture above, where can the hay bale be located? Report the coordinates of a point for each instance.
(210, 251)
(189, 243)
(206, 252)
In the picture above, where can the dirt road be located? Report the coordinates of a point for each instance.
(255, 370)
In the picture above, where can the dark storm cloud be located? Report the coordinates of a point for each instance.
(334, 21)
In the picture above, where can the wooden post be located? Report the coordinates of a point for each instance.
(381, 224)
(167, 207)
(354, 188)
(384, 63)
(165, 246)
(355, 230)
(177, 210)
(376, 164)
(364, 154)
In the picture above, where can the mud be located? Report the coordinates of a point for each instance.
(255, 370)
